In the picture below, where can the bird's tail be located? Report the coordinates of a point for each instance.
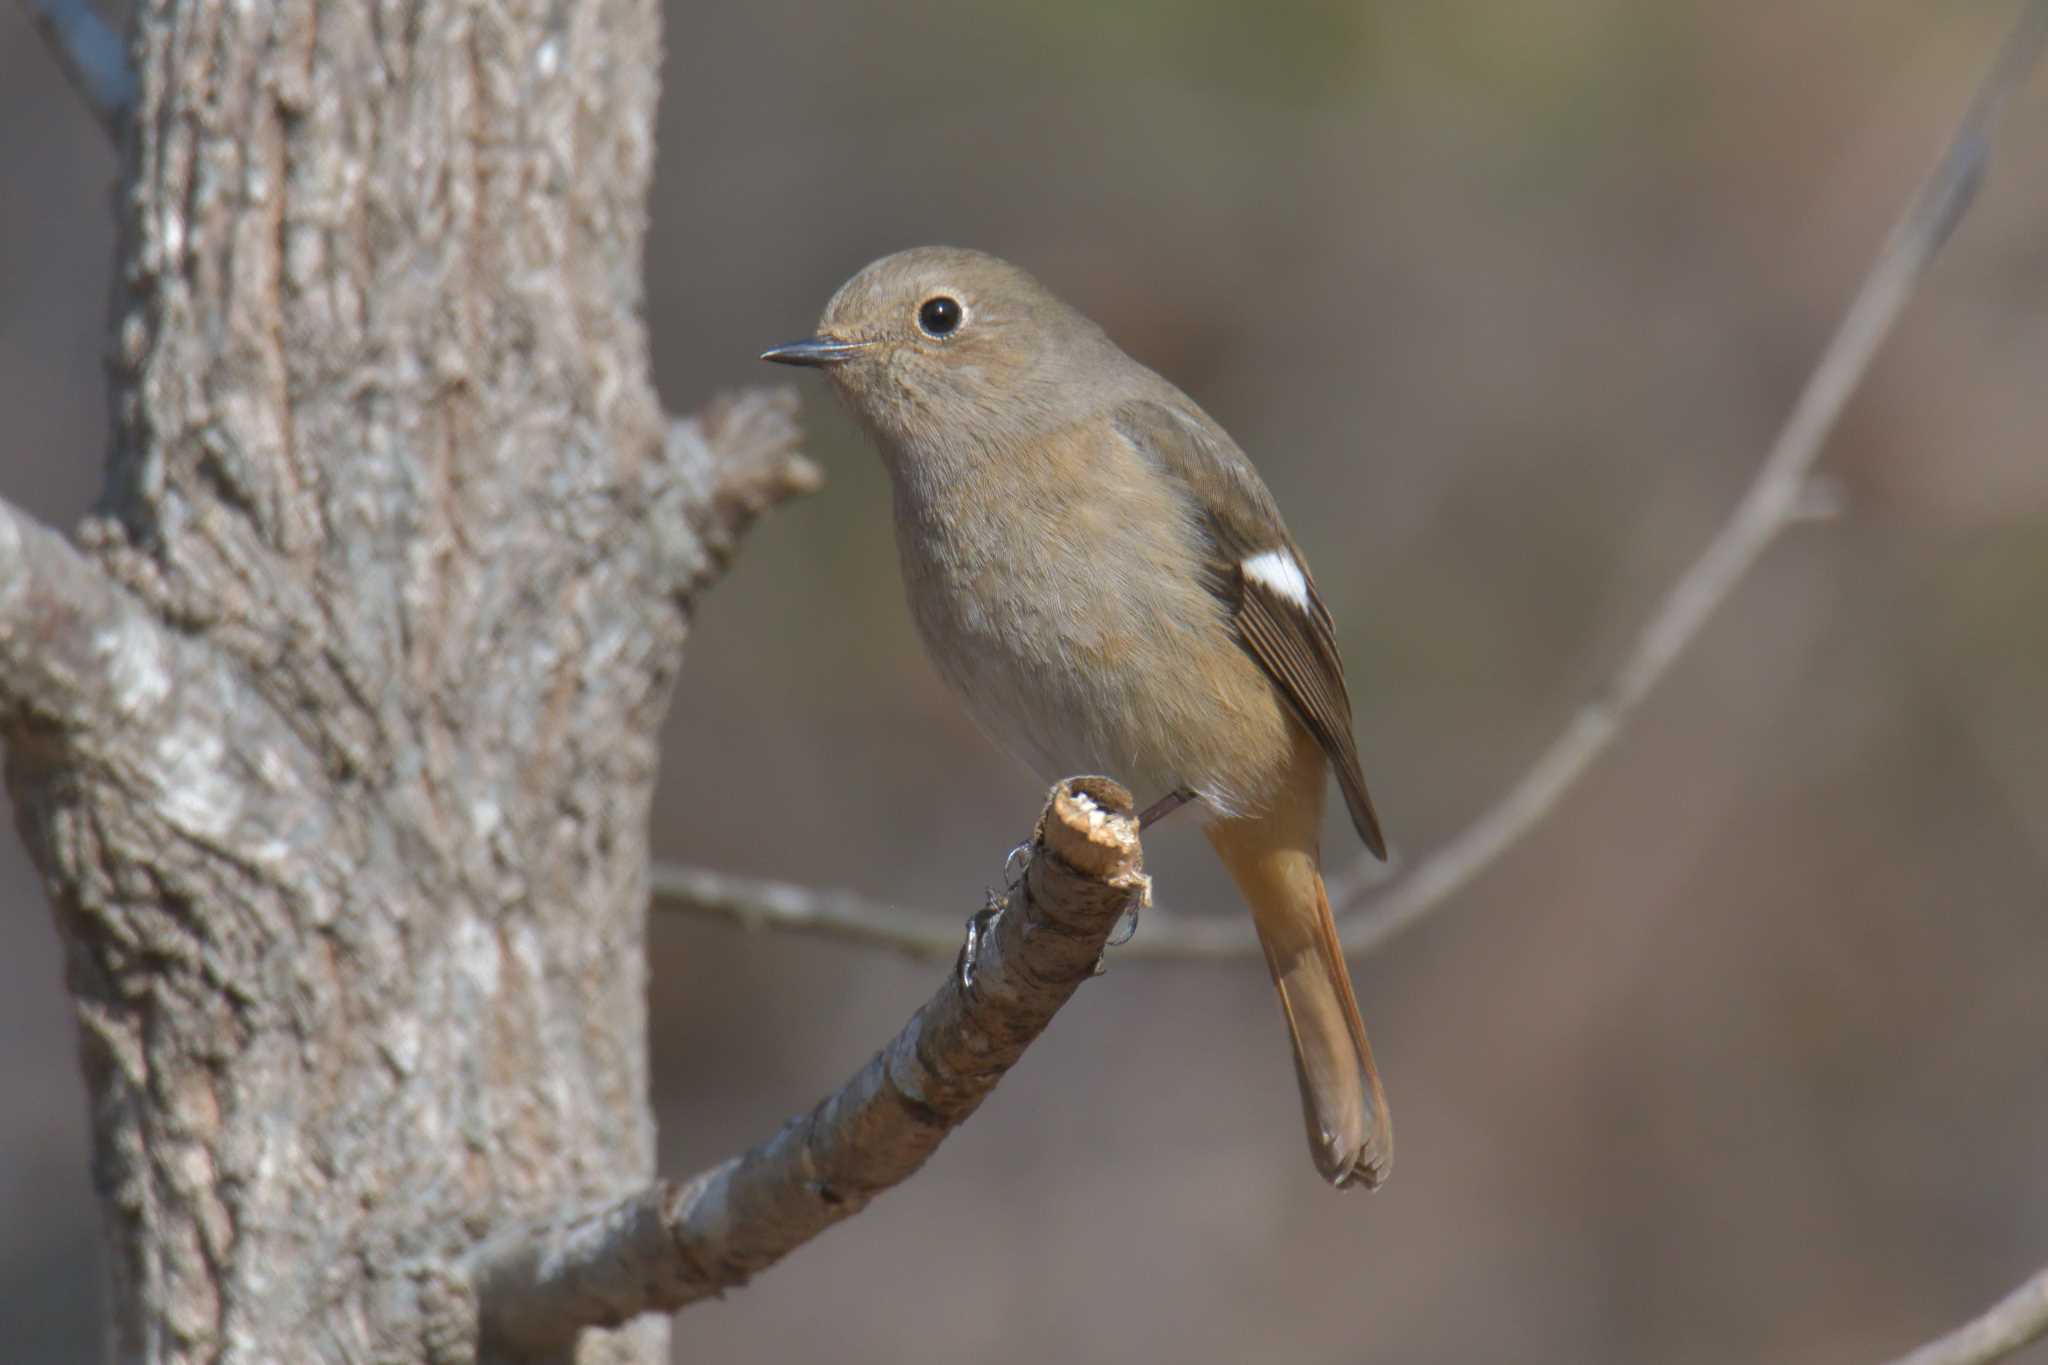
(1274, 862)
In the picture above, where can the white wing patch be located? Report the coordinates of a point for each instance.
(1276, 571)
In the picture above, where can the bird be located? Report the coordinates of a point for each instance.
(1099, 573)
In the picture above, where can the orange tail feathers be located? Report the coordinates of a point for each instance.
(1273, 859)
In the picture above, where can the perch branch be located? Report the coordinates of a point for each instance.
(671, 1244)
(2003, 1328)
(1781, 496)
(92, 55)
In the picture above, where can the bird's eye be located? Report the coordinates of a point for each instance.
(939, 316)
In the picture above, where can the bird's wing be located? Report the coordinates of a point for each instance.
(1255, 569)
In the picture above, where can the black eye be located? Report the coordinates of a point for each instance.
(939, 316)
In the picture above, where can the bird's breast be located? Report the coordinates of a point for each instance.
(1059, 591)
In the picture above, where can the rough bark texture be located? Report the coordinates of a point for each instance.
(335, 739)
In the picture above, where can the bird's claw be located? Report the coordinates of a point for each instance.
(1013, 873)
(1126, 929)
(979, 925)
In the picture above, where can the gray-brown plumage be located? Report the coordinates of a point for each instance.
(1295, 644)
(1099, 572)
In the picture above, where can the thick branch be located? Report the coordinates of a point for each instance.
(671, 1244)
(76, 651)
(2011, 1323)
(93, 57)
(343, 817)
(1780, 497)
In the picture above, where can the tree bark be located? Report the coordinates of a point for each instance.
(334, 735)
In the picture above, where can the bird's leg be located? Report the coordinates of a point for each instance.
(1158, 810)
(1164, 806)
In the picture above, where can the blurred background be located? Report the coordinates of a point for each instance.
(1743, 1056)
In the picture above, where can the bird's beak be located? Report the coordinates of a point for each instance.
(815, 351)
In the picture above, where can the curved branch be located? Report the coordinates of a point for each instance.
(2003, 1328)
(1775, 501)
(671, 1244)
(1780, 497)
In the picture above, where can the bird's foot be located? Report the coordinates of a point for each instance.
(1017, 864)
(980, 925)
(1126, 928)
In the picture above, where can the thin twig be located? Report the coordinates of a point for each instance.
(849, 917)
(668, 1245)
(93, 57)
(2003, 1328)
(828, 912)
(1776, 500)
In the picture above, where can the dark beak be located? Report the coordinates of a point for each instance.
(815, 351)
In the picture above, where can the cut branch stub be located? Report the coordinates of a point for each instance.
(670, 1244)
(720, 469)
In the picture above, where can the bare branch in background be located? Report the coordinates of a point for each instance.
(1780, 497)
(93, 57)
(668, 1245)
(849, 917)
(1776, 500)
(2014, 1321)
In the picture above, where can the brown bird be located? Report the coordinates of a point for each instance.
(1099, 572)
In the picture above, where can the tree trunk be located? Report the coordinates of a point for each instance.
(335, 740)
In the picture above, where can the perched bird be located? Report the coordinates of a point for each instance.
(1099, 572)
